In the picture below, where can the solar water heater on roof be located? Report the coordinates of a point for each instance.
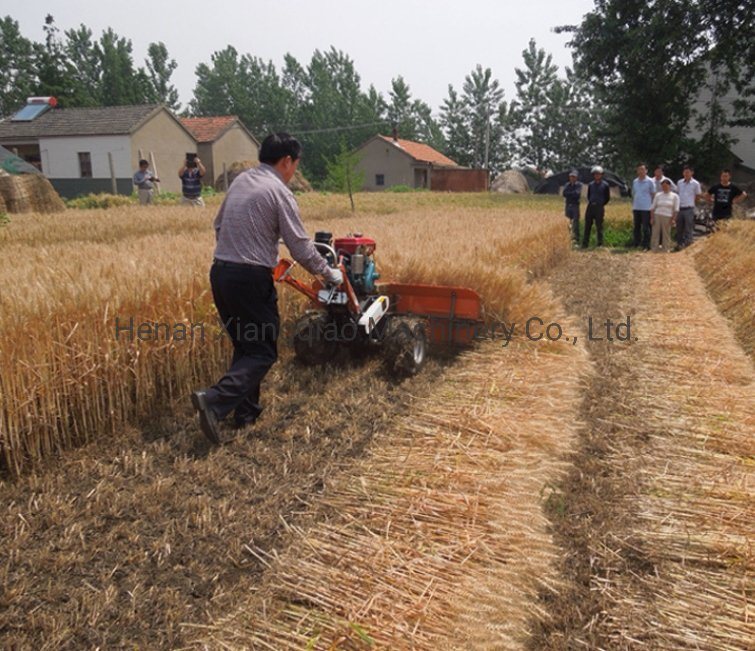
(30, 112)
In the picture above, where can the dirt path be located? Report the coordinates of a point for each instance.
(657, 517)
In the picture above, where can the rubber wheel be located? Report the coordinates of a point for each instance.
(405, 346)
(313, 339)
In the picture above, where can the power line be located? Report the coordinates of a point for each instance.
(349, 127)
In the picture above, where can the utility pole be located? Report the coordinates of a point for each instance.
(487, 136)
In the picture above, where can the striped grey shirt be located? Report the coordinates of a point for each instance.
(259, 209)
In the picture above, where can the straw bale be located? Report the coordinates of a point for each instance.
(29, 193)
(510, 182)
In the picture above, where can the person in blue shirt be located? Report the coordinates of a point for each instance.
(643, 191)
(191, 174)
(144, 180)
(572, 194)
(598, 195)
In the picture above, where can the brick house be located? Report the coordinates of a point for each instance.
(387, 161)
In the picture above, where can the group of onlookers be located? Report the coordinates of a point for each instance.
(657, 204)
(190, 173)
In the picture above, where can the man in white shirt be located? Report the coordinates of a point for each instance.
(689, 191)
(659, 177)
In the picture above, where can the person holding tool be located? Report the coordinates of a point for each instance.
(258, 209)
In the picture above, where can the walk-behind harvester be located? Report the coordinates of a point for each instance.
(403, 319)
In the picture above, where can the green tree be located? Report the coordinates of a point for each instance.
(412, 118)
(160, 68)
(53, 70)
(537, 89)
(241, 85)
(555, 121)
(17, 67)
(85, 61)
(647, 62)
(342, 174)
(455, 120)
(121, 82)
(334, 109)
(476, 123)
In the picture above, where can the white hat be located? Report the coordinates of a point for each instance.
(597, 169)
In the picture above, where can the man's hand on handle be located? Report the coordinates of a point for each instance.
(333, 276)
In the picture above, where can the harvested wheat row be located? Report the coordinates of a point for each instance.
(695, 507)
(438, 538)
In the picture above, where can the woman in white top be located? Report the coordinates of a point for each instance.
(663, 214)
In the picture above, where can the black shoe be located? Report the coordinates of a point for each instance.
(241, 424)
(208, 420)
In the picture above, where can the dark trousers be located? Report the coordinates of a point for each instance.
(572, 212)
(685, 227)
(641, 236)
(594, 213)
(247, 303)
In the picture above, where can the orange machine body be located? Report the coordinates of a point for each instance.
(453, 314)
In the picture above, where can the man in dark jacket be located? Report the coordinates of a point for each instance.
(572, 194)
(598, 195)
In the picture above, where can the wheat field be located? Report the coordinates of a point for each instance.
(727, 263)
(506, 497)
(71, 280)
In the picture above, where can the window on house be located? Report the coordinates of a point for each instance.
(85, 164)
(379, 179)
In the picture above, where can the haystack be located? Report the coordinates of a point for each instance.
(28, 193)
(297, 184)
(510, 182)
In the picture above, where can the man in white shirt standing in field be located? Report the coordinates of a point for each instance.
(662, 217)
(689, 191)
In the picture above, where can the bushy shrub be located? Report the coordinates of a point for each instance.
(166, 198)
(405, 188)
(101, 200)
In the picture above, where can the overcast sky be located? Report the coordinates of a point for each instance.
(430, 43)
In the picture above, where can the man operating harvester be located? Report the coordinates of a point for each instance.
(258, 209)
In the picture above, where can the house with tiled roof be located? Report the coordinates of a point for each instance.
(83, 150)
(221, 140)
(387, 161)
